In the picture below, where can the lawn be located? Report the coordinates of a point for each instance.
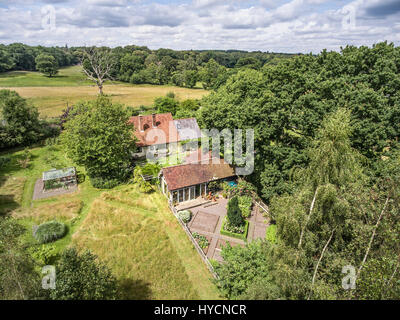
(135, 234)
(51, 95)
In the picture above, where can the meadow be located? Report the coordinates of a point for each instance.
(135, 234)
(52, 95)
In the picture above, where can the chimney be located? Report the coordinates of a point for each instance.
(154, 120)
(141, 128)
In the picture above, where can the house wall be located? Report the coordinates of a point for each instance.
(157, 148)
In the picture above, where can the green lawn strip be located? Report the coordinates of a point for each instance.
(270, 233)
(242, 236)
(68, 76)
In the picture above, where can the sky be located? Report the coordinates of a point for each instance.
(292, 26)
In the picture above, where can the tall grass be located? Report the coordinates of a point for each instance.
(138, 251)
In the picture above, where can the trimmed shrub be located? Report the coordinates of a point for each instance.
(185, 215)
(50, 231)
(234, 213)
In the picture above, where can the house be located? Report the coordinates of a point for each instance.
(160, 133)
(189, 181)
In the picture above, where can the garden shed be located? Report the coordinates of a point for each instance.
(59, 178)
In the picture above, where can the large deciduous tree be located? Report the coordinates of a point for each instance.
(46, 64)
(100, 137)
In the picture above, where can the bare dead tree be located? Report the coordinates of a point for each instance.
(97, 64)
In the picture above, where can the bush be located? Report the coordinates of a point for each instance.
(245, 203)
(144, 186)
(50, 231)
(101, 183)
(214, 186)
(201, 240)
(185, 215)
(4, 161)
(45, 254)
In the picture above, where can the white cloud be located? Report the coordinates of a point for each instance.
(294, 26)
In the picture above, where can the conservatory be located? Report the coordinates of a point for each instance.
(189, 181)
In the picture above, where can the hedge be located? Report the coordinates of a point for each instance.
(102, 183)
(242, 236)
(50, 231)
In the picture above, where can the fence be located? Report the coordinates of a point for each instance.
(262, 206)
(196, 245)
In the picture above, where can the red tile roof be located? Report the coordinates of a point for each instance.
(186, 175)
(144, 125)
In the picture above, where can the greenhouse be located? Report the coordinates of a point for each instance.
(59, 178)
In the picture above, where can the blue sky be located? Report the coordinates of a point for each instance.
(267, 25)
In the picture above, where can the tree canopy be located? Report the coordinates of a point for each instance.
(100, 137)
(286, 103)
(46, 64)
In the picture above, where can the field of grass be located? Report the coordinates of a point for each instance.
(51, 95)
(135, 234)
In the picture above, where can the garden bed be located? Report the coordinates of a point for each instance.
(241, 236)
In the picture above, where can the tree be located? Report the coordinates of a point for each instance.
(187, 109)
(82, 277)
(6, 61)
(98, 64)
(234, 213)
(100, 137)
(190, 78)
(209, 73)
(46, 64)
(18, 277)
(20, 123)
(130, 64)
(166, 104)
(241, 267)
(249, 62)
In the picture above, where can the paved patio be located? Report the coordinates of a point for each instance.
(207, 221)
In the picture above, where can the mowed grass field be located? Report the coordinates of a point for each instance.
(51, 95)
(135, 234)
